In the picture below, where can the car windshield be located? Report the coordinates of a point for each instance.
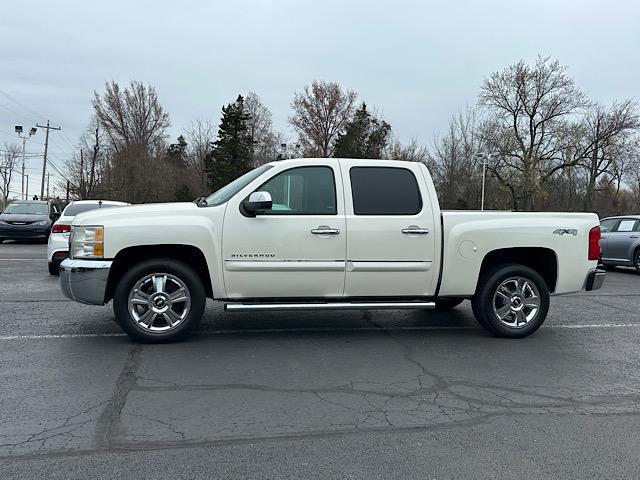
(28, 208)
(225, 193)
(76, 208)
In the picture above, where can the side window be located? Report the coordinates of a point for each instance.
(609, 224)
(384, 191)
(302, 191)
(626, 225)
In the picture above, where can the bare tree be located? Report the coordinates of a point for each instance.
(453, 157)
(200, 136)
(602, 142)
(320, 113)
(260, 129)
(135, 125)
(132, 116)
(8, 163)
(411, 152)
(528, 108)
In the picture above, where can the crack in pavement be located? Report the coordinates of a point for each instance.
(109, 423)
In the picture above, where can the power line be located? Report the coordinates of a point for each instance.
(35, 112)
(38, 114)
(15, 113)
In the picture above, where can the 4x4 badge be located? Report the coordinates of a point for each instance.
(568, 231)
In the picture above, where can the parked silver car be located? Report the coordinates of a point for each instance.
(620, 241)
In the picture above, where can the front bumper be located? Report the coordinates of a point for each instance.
(85, 281)
(23, 232)
(595, 279)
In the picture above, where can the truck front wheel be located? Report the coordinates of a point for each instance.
(511, 301)
(159, 301)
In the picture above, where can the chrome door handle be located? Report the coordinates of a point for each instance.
(415, 230)
(325, 230)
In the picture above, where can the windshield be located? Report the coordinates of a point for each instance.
(28, 208)
(225, 193)
(77, 208)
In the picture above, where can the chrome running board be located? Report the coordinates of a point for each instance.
(250, 307)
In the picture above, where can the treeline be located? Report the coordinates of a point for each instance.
(550, 146)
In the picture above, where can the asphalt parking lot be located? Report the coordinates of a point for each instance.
(376, 394)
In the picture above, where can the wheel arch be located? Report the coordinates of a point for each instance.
(542, 260)
(130, 256)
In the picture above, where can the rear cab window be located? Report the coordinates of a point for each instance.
(384, 191)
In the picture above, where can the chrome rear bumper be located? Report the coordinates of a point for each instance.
(595, 279)
(85, 281)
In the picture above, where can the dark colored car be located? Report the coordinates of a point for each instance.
(27, 220)
(620, 241)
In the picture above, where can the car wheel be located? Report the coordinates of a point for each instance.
(636, 260)
(159, 301)
(444, 304)
(54, 268)
(512, 301)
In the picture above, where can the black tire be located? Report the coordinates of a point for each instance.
(609, 268)
(180, 271)
(636, 260)
(444, 304)
(54, 268)
(483, 301)
(1, 240)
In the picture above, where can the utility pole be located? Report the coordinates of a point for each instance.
(46, 147)
(67, 199)
(48, 174)
(81, 175)
(32, 132)
(26, 192)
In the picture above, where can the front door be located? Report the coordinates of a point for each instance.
(296, 249)
(391, 245)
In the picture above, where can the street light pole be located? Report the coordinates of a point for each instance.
(32, 131)
(484, 157)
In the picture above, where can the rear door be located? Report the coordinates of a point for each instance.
(390, 230)
(619, 241)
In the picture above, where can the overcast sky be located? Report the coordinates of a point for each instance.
(418, 62)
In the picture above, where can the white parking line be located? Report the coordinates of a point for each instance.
(20, 259)
(311, 330)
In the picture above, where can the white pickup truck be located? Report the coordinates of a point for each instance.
(315, 234)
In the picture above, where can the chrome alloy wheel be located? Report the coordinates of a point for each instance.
(516, 302)
(159, 302)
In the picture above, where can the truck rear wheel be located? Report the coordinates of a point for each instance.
(512, 301)
(159, 301)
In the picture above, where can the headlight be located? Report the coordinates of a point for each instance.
(43, 222)
(86, 242)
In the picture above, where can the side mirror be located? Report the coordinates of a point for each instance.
(55, 216)
(257, 201)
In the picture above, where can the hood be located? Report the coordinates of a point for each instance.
(23, 217)
(99, 216)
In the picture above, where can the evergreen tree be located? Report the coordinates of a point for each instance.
(230, 156)
(177, 152)
(365, 136)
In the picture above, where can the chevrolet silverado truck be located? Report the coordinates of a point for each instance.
(321, 234)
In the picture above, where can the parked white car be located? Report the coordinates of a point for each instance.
(58, 245)
(314, 234)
